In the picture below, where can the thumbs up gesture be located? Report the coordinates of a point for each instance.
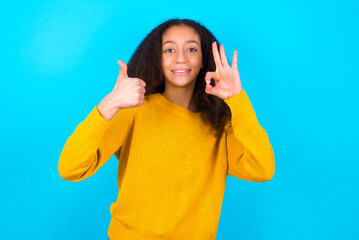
(127, 93)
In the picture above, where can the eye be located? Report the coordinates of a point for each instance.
(192, 50)
(169, 50)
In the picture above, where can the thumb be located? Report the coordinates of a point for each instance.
(123, 69)
(211, 90)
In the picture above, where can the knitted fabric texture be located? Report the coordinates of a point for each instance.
(172, 167)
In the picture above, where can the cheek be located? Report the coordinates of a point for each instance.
(197, 62)
(166, 67)
(165, 63)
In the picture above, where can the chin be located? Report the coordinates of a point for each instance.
(180, 84)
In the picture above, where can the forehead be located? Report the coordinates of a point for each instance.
(180, 33)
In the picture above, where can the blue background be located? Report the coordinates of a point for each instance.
(298, 62)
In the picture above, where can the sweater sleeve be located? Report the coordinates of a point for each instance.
(249, 154)
(93, 143)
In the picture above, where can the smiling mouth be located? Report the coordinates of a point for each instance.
(181, 72)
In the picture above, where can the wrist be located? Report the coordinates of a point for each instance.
(106, 108)
(234, 93)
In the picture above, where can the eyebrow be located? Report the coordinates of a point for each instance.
(189, 41)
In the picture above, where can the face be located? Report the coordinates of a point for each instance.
(181, 56)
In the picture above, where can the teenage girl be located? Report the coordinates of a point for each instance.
(178, 121)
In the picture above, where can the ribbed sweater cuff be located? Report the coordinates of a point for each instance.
(95, 125)
(239, 104)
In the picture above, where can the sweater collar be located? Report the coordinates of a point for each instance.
(175, 107)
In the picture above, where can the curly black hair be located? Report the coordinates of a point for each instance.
(214, 110)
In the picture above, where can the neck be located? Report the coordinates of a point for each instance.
(181, 97)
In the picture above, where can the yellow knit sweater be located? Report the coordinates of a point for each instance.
(172, 168)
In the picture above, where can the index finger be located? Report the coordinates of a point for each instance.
(217, 58)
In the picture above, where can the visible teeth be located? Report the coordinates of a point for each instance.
(181, 70)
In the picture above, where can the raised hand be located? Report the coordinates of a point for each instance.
(127, 93)
(227, 80)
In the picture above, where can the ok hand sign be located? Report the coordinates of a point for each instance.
(227, 80)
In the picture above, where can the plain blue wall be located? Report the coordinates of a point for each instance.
(298, 63)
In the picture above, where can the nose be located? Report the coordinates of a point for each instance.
(181, 57)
